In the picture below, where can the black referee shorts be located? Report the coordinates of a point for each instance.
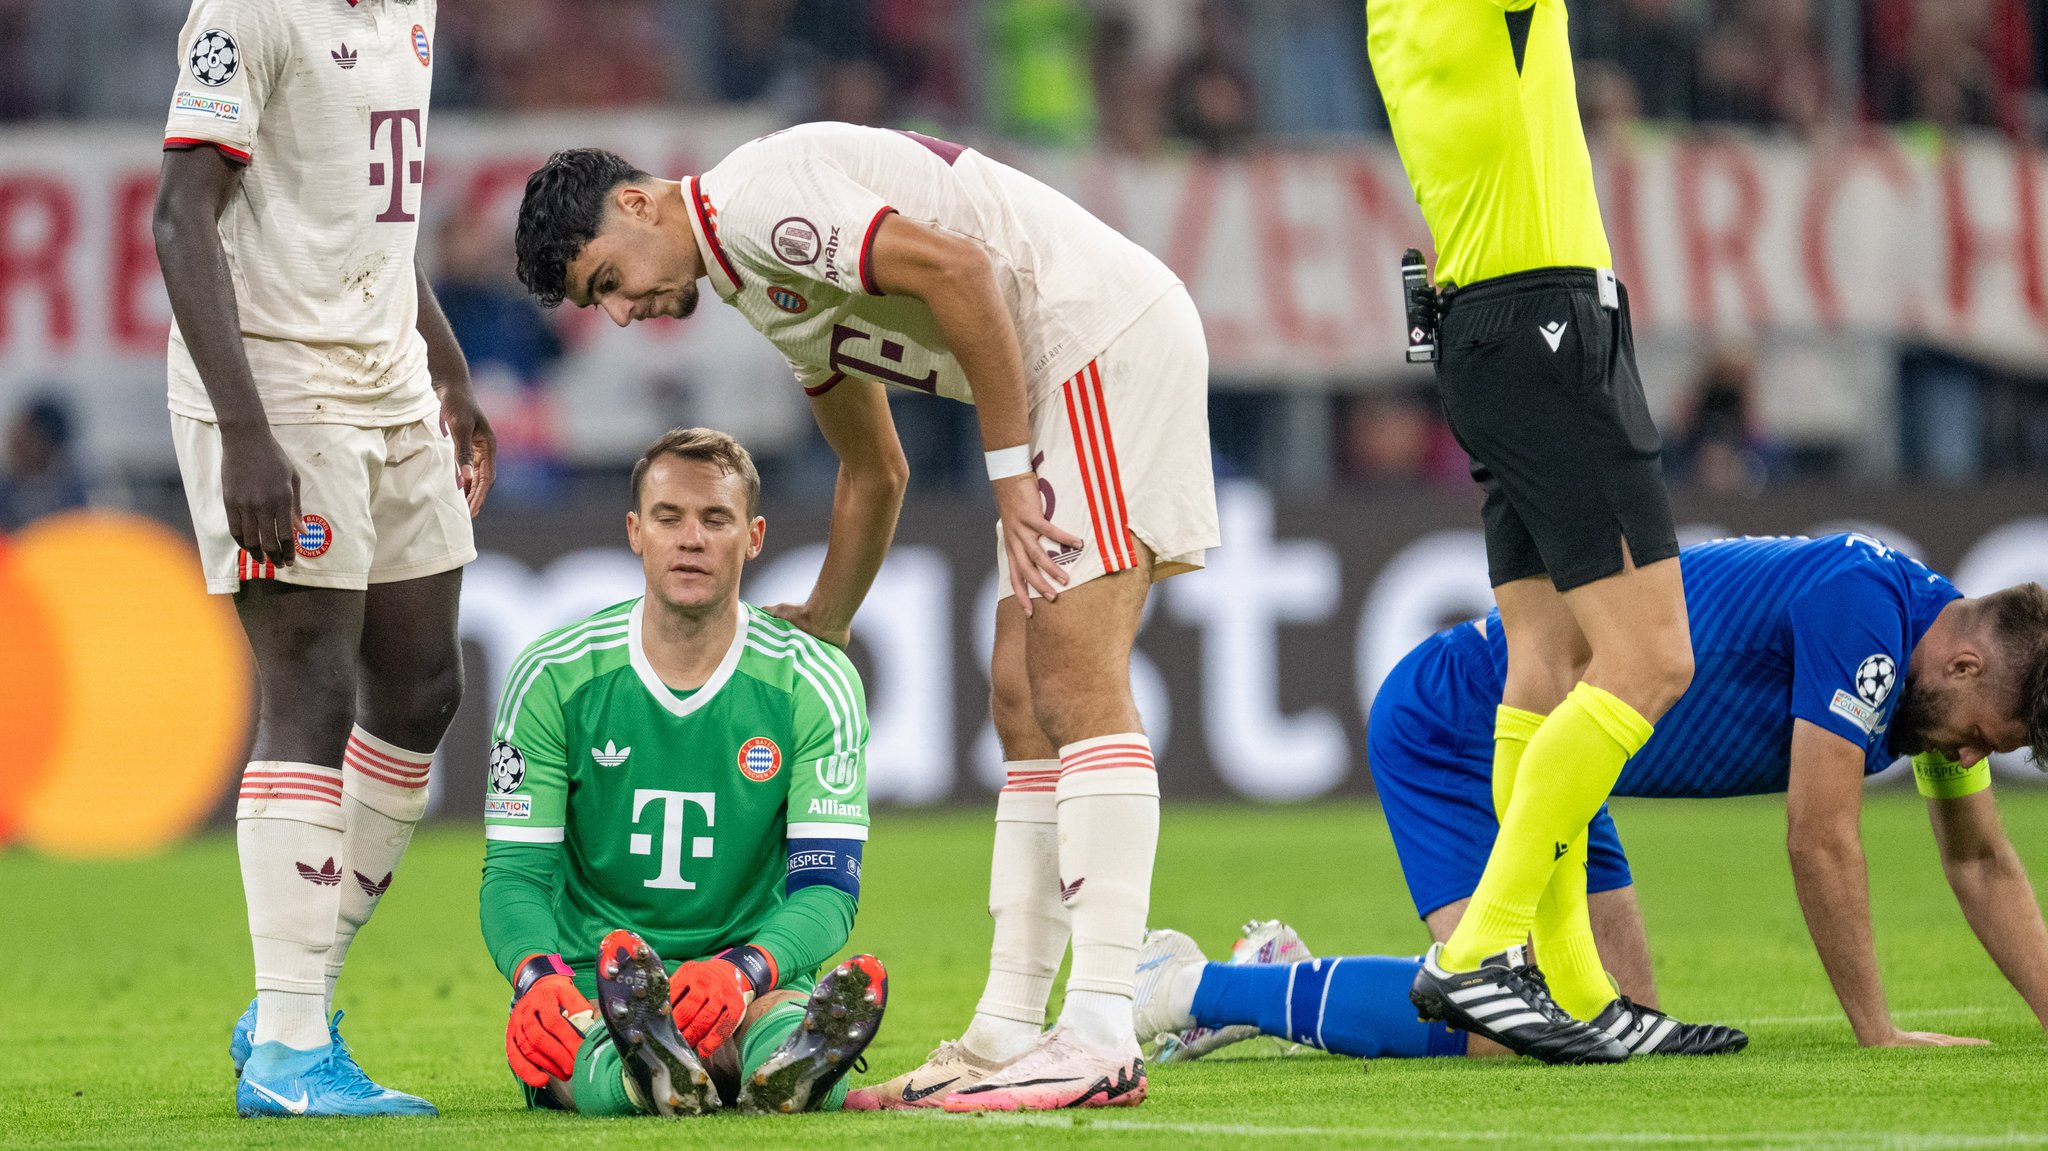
(1539, 382)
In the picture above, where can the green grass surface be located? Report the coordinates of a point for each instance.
(121, 981)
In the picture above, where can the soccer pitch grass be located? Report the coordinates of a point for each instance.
(122, 980)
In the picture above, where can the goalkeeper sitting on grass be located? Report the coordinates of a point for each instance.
(1819, 662)
(682, 775)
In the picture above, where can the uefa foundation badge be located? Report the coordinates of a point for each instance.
(314, 538)
(760, 759)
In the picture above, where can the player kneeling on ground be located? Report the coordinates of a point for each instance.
(1821, 661)
(681, 775)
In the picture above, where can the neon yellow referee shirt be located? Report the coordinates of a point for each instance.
(1486, 116)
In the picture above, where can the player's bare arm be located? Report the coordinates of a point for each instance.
(476, 445)
(1823, 817)
(953, 278)
(873, 473)
(258, 483)
(1992, 888)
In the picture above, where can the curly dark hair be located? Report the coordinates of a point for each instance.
(562, 211)
(2017, 619)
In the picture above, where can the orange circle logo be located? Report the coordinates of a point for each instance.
(134, 662)
(760, 759)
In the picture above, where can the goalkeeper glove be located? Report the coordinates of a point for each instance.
(540, 1042)
(709, 997)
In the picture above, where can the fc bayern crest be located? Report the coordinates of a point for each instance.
(760, 759)
(214, 58)
(1874, 678)
(787, 300)
(315, 536)
(507, 769)
(420, 47)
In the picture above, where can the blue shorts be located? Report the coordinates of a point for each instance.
(1429, 743)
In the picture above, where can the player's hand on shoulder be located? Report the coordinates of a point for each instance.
(1025, 530)
(708, 997)
(260, 488)
(476, 445)
(800, 615)
(540, 1042)
(1900, 1038)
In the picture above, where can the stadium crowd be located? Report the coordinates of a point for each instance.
(1160, 77)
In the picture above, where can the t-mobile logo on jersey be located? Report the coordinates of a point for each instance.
(675, 806)
(401, 172)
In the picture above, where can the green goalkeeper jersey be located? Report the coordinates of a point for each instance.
(674, 812)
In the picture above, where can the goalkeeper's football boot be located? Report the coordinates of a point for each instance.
(839, 1022)
(1507, 1001)
(947, 1069)
(1263, 941)
(1060, 1072)
(1648, 1031)
(632, 993)
(280, 1081)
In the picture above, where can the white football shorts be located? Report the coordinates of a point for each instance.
(1122, 451)
(377, 505)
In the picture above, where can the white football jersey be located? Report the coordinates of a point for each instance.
(785, 223)
(326, 102)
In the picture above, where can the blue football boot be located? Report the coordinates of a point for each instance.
(241, 1037)
(284, 1081)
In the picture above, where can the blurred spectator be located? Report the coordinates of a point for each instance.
(926, 50)
(1764, 67)
(41, 475)
(1209, 100)
(510, 346)
(534, 55)
(1951, 63)
(1310, 65)
(1039, 90)
(1718, 449)
(854, 90)
(1398, 439)
(1652, 41)
(105, 59)
(1127, 88)
(1608, 102)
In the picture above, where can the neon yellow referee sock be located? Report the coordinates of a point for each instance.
(1565, 775)
(1564, 940)
(1512, 729)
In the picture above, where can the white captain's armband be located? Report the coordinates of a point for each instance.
(1939, 777)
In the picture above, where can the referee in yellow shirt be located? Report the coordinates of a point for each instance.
(1538, 374)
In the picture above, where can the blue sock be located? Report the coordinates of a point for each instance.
(1357, 1005)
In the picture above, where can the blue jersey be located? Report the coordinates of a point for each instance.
(1783, 628)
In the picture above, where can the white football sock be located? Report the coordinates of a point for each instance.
(288, 825)
(384, 793)
(1109, 831)
(1024, 900)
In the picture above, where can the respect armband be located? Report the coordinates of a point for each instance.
(1939, 777)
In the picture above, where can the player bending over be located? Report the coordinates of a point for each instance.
(682, 775)
(1820, 662)
(333, 454)
(872, 257)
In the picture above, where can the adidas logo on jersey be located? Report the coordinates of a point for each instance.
(326, 875)
(612, 755)
(345, 58)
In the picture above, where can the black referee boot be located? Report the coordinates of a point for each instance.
(1506, 1001)
(632, 994)
(1648, 1031)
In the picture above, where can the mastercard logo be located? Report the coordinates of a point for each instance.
(124, 688)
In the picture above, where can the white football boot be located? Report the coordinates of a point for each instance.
(1263, 941)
